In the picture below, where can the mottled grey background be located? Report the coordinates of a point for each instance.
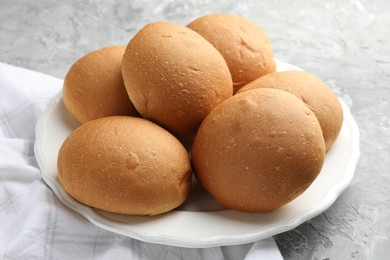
(346, 43)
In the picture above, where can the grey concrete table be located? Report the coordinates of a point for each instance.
(346, 43)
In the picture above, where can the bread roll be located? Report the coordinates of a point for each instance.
(258, 150)
(125, 165)
(94, 87)
(313, 92)
(174, 76)
(242, 43)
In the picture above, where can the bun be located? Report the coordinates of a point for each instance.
(244, 45)
(94, 87)
(258, 150)
(174, 77)
(313, 92)
(125, 165)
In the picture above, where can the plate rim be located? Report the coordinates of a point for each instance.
(197, 242)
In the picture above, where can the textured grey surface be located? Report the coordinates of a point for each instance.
(346, 43)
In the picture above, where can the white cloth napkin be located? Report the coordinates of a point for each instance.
(34, 224)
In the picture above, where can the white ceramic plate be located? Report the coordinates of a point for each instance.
(201, 222)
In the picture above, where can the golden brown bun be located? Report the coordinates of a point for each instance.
(174, 76)
(125, 165)
(313, 92)
(242, 43)
(94, 87)
(258, 150)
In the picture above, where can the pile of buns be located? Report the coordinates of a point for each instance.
(260, 136)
